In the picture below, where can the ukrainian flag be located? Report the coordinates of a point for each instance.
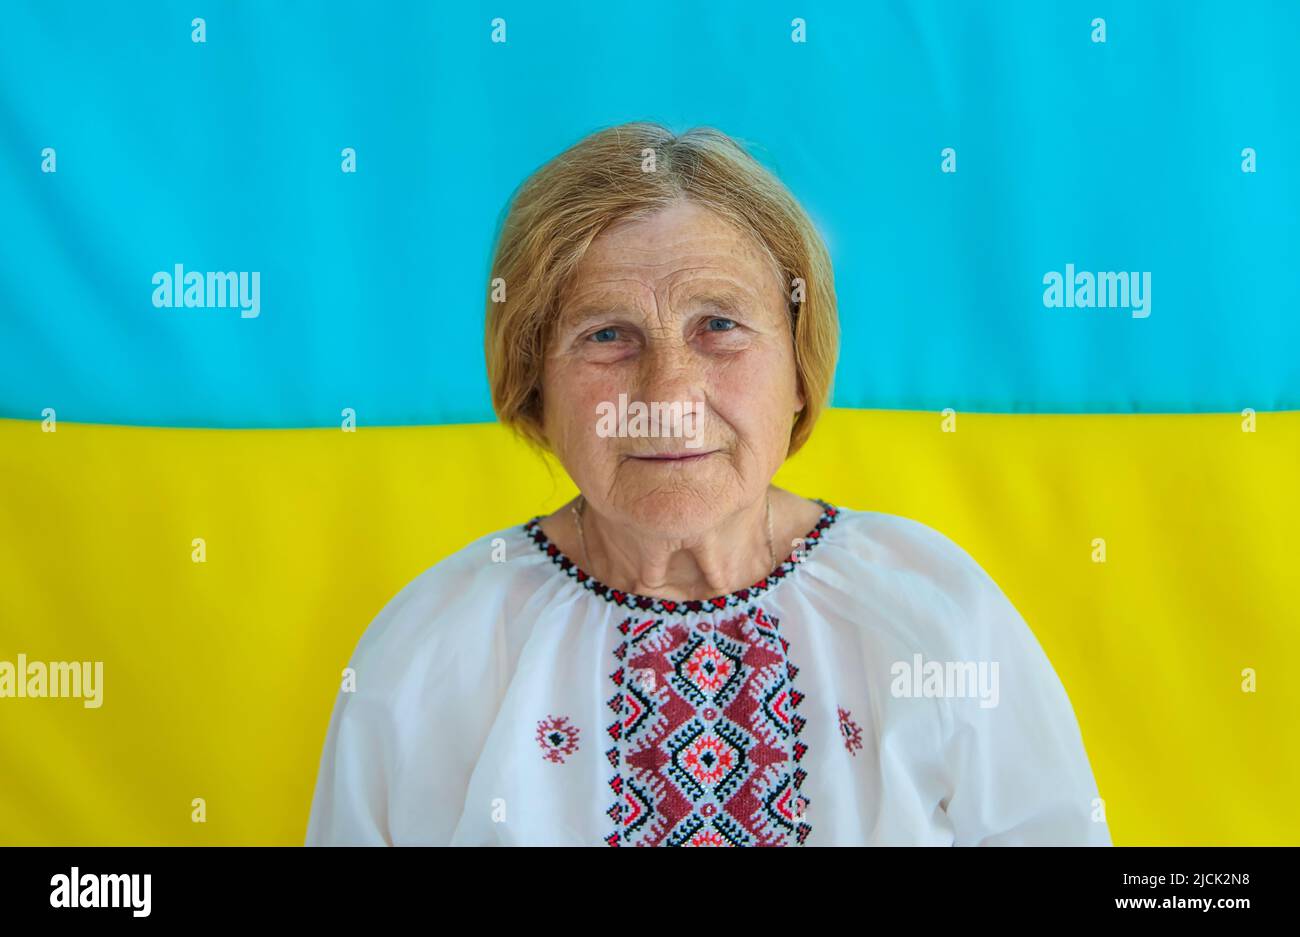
(212, 498)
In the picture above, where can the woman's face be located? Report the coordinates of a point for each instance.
(676, 308)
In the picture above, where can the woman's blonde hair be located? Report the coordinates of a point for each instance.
(630, 171)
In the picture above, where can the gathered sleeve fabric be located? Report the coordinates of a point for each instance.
(1015, 768)
(350, 806)
(400, 749)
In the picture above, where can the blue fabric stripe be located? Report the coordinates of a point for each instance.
(225, 156)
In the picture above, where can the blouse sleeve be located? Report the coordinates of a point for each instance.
(401, 747)
(350, 806)
(1017, 771)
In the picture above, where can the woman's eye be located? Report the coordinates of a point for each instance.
(718, 324)
(604, 336)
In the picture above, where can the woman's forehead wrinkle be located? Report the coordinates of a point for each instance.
(666, 275)
(709, 290)
(706, 289)
(591, 295)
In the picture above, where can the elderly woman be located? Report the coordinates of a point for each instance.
(685, 654)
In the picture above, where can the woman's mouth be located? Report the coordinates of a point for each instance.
(675, 458)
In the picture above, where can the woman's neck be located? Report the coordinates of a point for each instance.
(729, 556)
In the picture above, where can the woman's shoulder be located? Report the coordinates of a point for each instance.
(452, 610)
(929, 579)
(895, 541)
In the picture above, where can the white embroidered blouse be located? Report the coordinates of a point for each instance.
(877, 688)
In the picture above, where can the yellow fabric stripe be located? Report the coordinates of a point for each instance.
(219, 676)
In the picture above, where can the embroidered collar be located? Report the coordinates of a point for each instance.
(658, 606)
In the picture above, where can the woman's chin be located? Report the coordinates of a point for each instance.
(676, 510)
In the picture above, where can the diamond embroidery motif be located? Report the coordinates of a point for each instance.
(708, 669)
(706, 748)
(709, 759)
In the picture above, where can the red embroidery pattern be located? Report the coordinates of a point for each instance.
(558, 738)
(850, 730)
(706, 749)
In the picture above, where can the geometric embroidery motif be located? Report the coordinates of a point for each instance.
(557, 738)
(706, 748)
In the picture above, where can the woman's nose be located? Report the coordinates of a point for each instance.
(670, 372)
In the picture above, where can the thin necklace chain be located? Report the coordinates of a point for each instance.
(578, 508)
